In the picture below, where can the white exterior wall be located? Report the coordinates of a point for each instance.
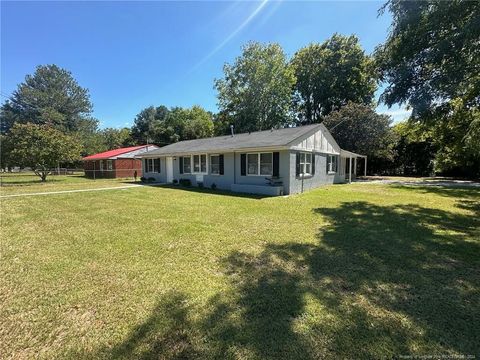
(319, 141)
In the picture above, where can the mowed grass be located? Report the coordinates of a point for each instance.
(344, 271)
(28, 182)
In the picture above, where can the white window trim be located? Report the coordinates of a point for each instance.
(183, 164)
(207, 163)
(259, 165)
(303, 165)
(210, 164)
(330, 164)
(151, 166)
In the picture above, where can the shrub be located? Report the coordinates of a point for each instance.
(185, 182)
(175, 181)
(143, 179)
(200, 184)
(213, 186)
(151, 179)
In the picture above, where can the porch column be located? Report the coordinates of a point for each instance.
(365, 166)
(350, 171)
(355, 166)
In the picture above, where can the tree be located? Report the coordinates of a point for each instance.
(431, 61)
(50, 96)
(164, 126)
(116, 138)
(431, 55)
(360, 129)
(415, 149)
(197, 123)
(41, 147)
(329, 75)
(147, 124)
(256, 90)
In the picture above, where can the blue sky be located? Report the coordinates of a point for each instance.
(134, 54)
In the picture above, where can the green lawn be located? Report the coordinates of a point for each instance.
(28, 182)
(345, 271)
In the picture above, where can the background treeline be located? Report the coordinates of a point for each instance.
(334, 82)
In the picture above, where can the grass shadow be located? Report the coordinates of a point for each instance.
(209, 191)
(379, 282)
(463, 192)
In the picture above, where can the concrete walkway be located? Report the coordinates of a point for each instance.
(70, 191)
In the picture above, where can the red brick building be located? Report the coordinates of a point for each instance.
(118, 163)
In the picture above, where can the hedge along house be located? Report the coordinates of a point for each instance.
(272, 162)
(118, 163)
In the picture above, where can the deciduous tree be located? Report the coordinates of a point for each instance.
(41, 147)
(256, 89)
(329, 75)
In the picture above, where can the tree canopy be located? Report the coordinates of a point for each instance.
(329, 75)
(432, 54)
(358, 128)
(256, 89)
(431, 61)
(162, 126)
(40, 147)
(51, 96)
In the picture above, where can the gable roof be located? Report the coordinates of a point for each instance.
(114, 153)
(258, 139)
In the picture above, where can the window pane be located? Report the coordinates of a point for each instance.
(186, 165)
(308, 158)
(266, 164)
(215, 164)
(308, 168)
(196, 163)
(203, 163)
(252, 164)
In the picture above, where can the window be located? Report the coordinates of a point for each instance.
(266, 164)
(260, 164)
(187, 166)
(200, 163)
(101, 165)
(331, 164)
(215, 164)
(152, 165)
(252, 164)
(306, 163)
(109, 165)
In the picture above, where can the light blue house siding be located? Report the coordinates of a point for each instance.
(291, 182)
(303, 158)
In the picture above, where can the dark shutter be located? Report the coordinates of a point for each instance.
(276, 163)
(220, 164)
(313, 164)
(146, 166)
(157, 164)
(180, 165)
(297, 165)
(243, 164)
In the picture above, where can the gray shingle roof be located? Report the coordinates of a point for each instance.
(268, 138)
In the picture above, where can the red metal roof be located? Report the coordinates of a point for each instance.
(113, 153)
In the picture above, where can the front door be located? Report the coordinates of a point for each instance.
(169, 169)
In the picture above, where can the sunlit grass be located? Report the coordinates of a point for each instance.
(349, 271)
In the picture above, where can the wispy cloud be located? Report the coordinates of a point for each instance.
(254, 13)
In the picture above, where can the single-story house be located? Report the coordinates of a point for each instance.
(118, 163)
(272, 162)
